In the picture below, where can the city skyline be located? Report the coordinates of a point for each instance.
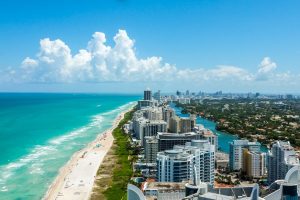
(126, 46)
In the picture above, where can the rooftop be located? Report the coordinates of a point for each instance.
(164, 186)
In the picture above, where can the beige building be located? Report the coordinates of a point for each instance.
(174, 124)
(254, 163)
(182, 124)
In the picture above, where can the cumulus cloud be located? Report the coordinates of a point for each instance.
(267, 65)
(266, 69)
(99, 62)
(29, 63)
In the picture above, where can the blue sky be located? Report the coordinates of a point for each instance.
(203, 45)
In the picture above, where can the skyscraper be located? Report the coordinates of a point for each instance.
(147, 94)
(236, 152)
(174, 166)
(144, 127)
(167, 112)
(254, 163)
(182, 124)
(187, 93)
(280, 159)
(177, 165)
(150, 149)
(157, 96)
(167, 141)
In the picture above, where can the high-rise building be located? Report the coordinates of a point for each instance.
(236, 152)
(187, 93)
(167, 141)
(152, 127)
(174, 166)
(143, 127)
(174, 124)
(167, 114)
(147, 94)
(254, 164)
(207, 134)
(153, 113)
(157, 96)
(280, 159)
(182, 124)
(150, 149)
(204, 160)
(137, 124)
(146, 103)
(180, 163)
(187, 124)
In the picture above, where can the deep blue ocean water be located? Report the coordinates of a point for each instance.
(40, 132)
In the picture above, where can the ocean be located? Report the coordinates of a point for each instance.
(40, 132)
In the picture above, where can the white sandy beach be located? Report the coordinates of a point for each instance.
(76, 179)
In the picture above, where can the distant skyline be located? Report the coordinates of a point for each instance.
(125, 46)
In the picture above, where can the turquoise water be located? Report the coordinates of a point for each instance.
(223, 138)
(40, 132)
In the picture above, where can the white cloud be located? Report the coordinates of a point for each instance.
(266, 69)
(231, 72)
(267, 65)
(29, 63)
(99, 62)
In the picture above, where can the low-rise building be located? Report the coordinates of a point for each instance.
(164, 190)
(183, 100)
(187, 191)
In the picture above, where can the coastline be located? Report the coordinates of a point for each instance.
(76, 178)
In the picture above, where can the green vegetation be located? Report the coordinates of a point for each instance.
(225, 179)
(123, 170)
(117, 166)
(264, 120)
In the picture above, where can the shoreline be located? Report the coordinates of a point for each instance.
(75, 180)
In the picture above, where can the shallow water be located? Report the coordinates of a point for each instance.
(40, 132)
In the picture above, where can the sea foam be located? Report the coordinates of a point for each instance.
(40, 159)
